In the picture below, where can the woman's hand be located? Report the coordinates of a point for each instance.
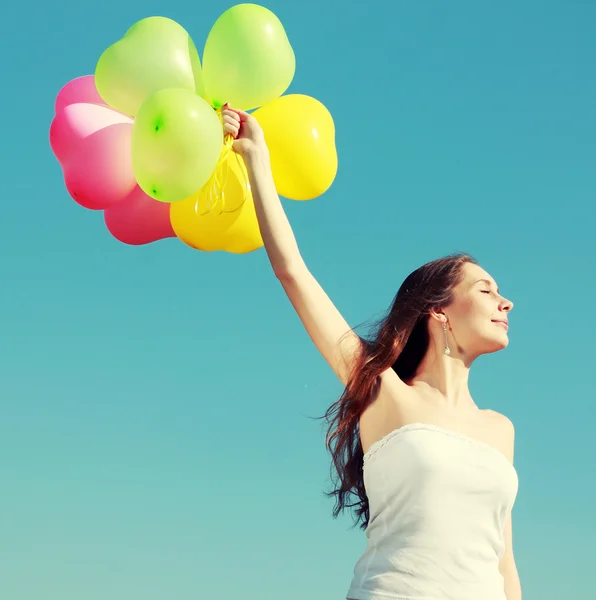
(246, 131)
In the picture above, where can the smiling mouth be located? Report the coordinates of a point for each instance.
(502, 324)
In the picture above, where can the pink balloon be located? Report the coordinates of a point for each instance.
(99, 174)
(92, 144)
(139, 219)
(73, 124)
(81, 89)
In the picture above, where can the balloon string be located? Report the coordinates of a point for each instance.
(212, 195)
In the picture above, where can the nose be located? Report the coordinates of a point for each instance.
(506, 305)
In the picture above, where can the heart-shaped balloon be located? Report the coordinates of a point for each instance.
(300, 134)
(248, 60)
(177, 140)
(230, 224)
(73, 124)
(92, 143)
(80, 89)
(156, 53)
(139, 219)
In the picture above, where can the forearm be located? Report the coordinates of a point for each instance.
(278, 237)
(513, 589)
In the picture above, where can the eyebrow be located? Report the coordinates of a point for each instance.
(488, 282)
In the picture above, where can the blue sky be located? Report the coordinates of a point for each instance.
(155, 402)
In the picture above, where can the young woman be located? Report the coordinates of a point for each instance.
(430, 474)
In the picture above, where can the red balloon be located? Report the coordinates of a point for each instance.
(138, 219)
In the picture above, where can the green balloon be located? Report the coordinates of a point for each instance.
(177, 139)
(154, 54)
(248, 60)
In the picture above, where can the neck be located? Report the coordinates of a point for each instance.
(445, 379)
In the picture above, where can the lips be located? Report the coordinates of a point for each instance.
(504, 324)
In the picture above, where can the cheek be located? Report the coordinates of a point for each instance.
(470, 316)
(464, 310)
(481, 306)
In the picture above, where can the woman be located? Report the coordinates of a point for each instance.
(431, 473)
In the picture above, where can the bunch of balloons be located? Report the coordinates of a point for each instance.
(142, 139)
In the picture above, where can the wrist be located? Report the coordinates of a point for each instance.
(256, 154)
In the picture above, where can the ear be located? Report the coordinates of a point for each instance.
(438, 315)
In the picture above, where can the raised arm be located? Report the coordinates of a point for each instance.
(321, 319)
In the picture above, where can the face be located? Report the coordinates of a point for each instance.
(477, 318)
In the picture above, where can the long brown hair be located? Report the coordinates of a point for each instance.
(400, 341)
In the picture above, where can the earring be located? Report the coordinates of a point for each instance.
(447, 350)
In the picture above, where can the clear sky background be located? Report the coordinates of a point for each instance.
(156, 439)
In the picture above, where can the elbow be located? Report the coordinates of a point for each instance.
(507, 563)
(283, 275)
(289, 272)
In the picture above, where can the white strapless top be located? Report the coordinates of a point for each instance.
(438, 505)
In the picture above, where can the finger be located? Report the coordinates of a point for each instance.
(242, 115)
(231, 118)
(231, 129)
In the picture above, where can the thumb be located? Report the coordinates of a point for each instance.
(238, 146)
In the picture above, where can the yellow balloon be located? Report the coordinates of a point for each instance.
(300, 134)
(221, 215)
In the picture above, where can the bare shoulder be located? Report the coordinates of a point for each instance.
(502, 422)
(504, 430)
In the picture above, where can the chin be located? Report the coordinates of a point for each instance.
(500, 344)
(504, 344)
(494, 344)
